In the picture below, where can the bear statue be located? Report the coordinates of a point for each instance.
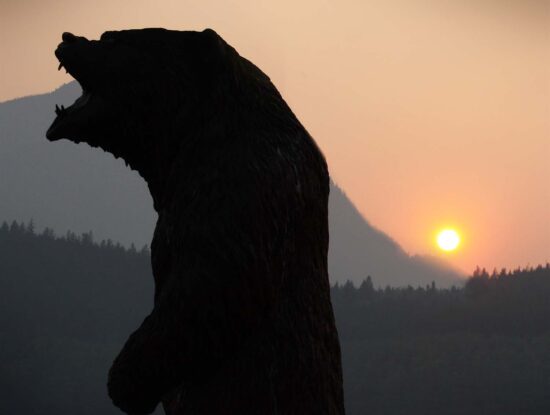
(242, 320)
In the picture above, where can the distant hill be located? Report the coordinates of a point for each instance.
(65, 186)
(358, 249)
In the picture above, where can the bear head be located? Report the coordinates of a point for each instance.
(138, 84)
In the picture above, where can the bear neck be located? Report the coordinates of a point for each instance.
(203, 128)
(153, 162)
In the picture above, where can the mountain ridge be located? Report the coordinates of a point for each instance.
(62, 186)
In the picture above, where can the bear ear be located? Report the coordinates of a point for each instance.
(210, 32)
(109, 35)
(215, 42)
(220, 55)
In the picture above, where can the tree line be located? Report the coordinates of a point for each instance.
(69, 302)
(483, 348)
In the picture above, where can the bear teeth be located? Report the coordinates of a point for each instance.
(60, 111)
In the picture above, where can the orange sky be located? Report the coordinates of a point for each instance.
(430, 113)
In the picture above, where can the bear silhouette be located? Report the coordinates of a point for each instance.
(242, 320)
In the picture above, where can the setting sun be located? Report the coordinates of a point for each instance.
(448, 239)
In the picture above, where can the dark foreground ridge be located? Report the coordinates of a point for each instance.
(478, 350)
(242, 307)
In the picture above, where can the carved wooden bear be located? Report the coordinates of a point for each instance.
(242, 321)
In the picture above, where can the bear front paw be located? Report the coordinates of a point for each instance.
(131, 395)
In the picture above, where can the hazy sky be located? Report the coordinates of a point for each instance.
(430, 112)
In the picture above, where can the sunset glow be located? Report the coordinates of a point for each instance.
(430, 114)
(448, 240)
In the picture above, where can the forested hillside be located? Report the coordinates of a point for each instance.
(67, 307)
(482, 349)
(78, 188)
(68, 304)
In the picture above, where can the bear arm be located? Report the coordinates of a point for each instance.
(133, 384)
(223, 282)
(199, 318)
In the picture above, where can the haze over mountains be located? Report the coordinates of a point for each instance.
(69, 187)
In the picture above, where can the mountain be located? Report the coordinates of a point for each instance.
(66, 187)
(358, 249)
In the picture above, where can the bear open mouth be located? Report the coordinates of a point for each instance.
(72, 121)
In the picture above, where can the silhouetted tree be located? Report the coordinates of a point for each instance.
(366, 289)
